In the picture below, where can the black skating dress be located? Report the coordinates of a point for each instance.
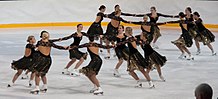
(25, 62)
(75, 53)
(42, 63)
(203, 34)
(95, 64)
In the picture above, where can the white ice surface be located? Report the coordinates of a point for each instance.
(182, 76)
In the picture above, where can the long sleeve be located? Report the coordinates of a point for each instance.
(68, 37)
(84, 45)
(85, 34)
(94, 45)
(55, 40)
(117, 18)
(178, 21)
(127, 14)
(163, 23)
(163, 15)
(126, 41)
(138, 23)
(104, 47)
(142, 15)
(57, 46)
(101, 14)
(124, 20)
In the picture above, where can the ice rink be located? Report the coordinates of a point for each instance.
(182, 76)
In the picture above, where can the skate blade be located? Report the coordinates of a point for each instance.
(139, 86)
(23, 78)
(74, 75)
(152, 87)
(43, 90)
(100, 93)
(106, 57)
(117, 75)
(34, 92)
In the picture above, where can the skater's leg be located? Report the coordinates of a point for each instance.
(186, 50)
(37, 79)
(79, 63)
(119, 63)
(31, 78)
(70, 63)
(158, 67)
(180, 48)
(19, 72)
(146, 74)
(44, 78)
(95, 80)
(210, 47)
(197, 44)
(27, 72)
(134, 75)
(108, 50)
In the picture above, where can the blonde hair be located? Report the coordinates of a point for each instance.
(145, 16)
(30, 38)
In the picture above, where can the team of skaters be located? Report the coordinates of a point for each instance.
(37, 59)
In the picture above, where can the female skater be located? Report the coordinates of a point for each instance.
(26, 62)
(185, 40)
(191, 27)
(42, 60)
(117, 8)
(95, 64)
(154, 16)
(75, 54)
(153, 57)
(122, 51)
(203, 34)
(112, 29)
(95, 29)
(136, 60)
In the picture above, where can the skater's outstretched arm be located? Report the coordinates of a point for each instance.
(59, 47)
(68, 37)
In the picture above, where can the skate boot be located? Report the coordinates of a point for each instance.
(93, 89)
(151, 85)
(213, 53)
(75, 72)
(99, 91)
(66, 72)
(10, 84)
(30, 83)
(44, 88)
(116, 73)
(35, 90)
(24, 76)
(138, 84)
(190, 57)
(198, 52)
(182, 56)
(162, 78)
